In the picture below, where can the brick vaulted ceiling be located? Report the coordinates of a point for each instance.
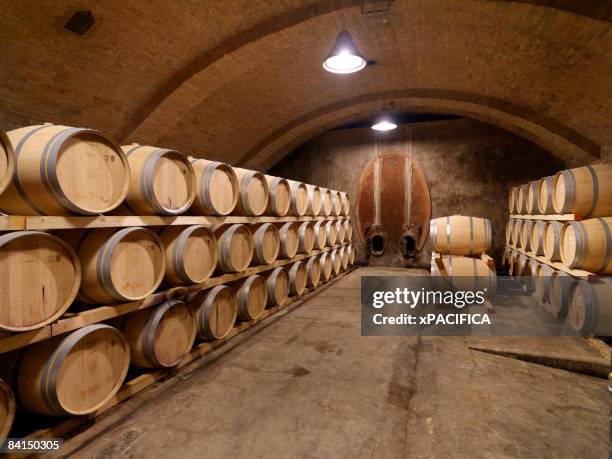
(241, 81)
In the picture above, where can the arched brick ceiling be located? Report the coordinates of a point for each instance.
(242, 81)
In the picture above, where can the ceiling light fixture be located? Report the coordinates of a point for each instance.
(344, 56)
(384, 122)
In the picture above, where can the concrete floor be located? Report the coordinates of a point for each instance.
(308, 385)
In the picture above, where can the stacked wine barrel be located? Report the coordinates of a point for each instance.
(560, 230)
(460, 244)
(290, 236)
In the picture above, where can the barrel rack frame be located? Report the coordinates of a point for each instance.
(556, 217)
(578, 273)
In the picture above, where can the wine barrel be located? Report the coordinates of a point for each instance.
(586, 191)
(531, 204)
(543, 275)
(460, 235)
(336, 203)
(521, 200)
(348, 231)
(277, 285)
(545, 195)
(516, 231)
(326, 202)
(513, 268)
(344, 257)
(215, 312)
(251, 296)
(117, 265)
(289, 239)
(587, 245)
(320, 239)
(216, 188)
(39, 279)
(73, 374)
(351, 254)
(7, 409)
(299, 198)
(59, 170)
(331, 232)
(326, 266)
(552, 240)
(162, 336)
(280, 196)
(526, 271)
(162, 181)
(254, 193)
(314, 200)
(509, 228)
(298, 278)
(466, 273)
(559, 292)
(536, 240)
(313, 267)
(191, 254)
(7, 167)
(525, 237)
(306, 237)
(346, 205)
(235, 248)
(512, 197)
(336, 262)
(340, 231)
(590, 307)
(266, 243)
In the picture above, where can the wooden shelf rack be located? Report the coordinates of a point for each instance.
(578, 273)
(557, 217)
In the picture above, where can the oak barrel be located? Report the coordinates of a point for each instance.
(513, 268)
(160, 337)
(460, 235)
(7, 409)
(346, 205)
(251, 296)
(590, 307)
(216, 188)
(298, 278)
(526, 267)
(340, 231)
(254, 194)
(545, 195)
(215, 312)
(351, 254)
(336, 203)
(299, 198)
(543, 274)
(280, 196)
(7, 167)
(73, 374)
(348, 231)
(331, 232)
(320, 239)
(277, 285)
(536, 240)
(40, 276)
(235, 248)
(559, 291)
(552, 240)
(521, 200)
(326, 202)
(289, 239)
(466, 273)
(307, 237)
(509, 228)
(344, 257)
(326, 266)
(117, 265)
(531, 204)
(586, 191)
(512, 196)
(525, 237)
(516, 231)
(162, 181)
(313, 266)
(266, 244)
(191, 254)
(314, 200)
(587, 245)
(59, 170)
(336, 262)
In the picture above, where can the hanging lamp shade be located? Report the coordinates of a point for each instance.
(344, 56)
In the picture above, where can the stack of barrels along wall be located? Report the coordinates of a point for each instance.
(560, 225)
(53, 170)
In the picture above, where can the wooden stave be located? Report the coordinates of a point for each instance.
(202, 304)
(545, 195)
(204, 170)
(552, 240)
(9, 399)
(559, 289)
(245, 206)
(16, 199)
(286, 249)
(271, 283)
(141, 330)
(298, 278)
(587, 256)
(274, 185)
(224, 238)
(314, 200)
(576, 196)
(12, 236)
(141, 198)
(242, 289)
(259, 256)
(313, 266)
(593, 315)
(438, 236)
(174, 239)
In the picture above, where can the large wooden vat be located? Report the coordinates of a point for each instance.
(543, 275)
(39, 279)
(536, 239)
(117, 265)
(306, 237)
(326, 266)
(7, 409)
(313, 266)
(320, 233)
(298, 278)
(552, 239)
(277, 285)
(191, 254)
(73, 374)
(59, 170)
(586, 191)
(559, 291)
(216, 188)
(545, 195)
(253, 192)
(162, 181)
(314, 200)
(465, 273)
(590, 307)
(280, 196)
(460, 235)
(251, 296)
(235, 248)
(289, 239)
(162, 336)
(215, 312)
(587, 245)
(266, 242)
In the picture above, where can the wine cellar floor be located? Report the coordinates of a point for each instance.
(307, 384)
